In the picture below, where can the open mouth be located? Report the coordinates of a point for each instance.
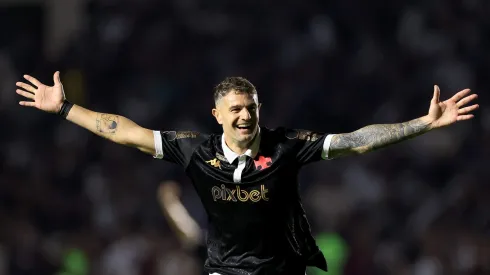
(244, 127)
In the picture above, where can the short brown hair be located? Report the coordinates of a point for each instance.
(236, 83)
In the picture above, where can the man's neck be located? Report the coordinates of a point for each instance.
(236, 147)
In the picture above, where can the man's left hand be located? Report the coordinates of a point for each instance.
(452, 110)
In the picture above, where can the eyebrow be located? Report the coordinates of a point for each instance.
(241, 106)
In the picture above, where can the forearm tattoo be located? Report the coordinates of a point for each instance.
(107, 124)
(374, 137)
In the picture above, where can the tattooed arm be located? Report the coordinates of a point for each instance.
(441, 114)
(113, 127)
(373, 137)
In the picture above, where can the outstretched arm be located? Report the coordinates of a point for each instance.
(373, 137)
(113, 127)
(116, 128)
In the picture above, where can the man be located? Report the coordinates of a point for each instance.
(246, 177)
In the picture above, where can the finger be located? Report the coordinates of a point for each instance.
(460, 95)
(437, 94)
(56, 78)
(33, 80)
(25, 94)
(466, 100)
(468, 109)
(26, 87)
(465, 117)
(28, 103)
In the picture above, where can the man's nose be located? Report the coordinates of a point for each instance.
(245, 114)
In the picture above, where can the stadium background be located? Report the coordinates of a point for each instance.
(73, 203)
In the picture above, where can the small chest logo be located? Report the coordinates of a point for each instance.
(262, 163)
(215, 163)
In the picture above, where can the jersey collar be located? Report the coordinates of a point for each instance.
(251, 152)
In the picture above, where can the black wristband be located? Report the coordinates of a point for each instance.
(65, 109)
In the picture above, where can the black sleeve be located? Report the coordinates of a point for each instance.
(177, 146)
(309, 146)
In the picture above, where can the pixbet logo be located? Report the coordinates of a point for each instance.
(237, 194)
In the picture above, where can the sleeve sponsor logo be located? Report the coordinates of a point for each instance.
(308, 136)
(186, 134)
(173, 135)
(302, 135)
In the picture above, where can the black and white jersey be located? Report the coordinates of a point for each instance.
(257, 224)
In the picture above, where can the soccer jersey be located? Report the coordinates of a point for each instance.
(257, 224)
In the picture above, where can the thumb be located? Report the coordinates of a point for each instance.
(56, 78)
(437, 93)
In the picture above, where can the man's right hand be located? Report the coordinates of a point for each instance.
(46, 98)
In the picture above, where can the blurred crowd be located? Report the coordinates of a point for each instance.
(72, 203)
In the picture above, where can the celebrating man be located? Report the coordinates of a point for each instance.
(246, 177)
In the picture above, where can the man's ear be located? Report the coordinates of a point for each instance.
(217, 115)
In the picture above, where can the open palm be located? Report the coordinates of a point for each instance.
(452, 110)
(45, 98)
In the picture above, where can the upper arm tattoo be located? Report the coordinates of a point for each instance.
(107, 123)
(374, 137)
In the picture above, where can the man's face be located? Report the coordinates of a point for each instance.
(239, 114)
